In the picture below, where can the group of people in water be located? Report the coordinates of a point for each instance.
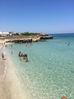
(24, 56)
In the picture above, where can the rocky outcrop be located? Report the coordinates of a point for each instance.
(19, 41)
(27, 39)
(36, 39)
(46, 37)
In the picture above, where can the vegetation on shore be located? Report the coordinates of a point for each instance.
(26, 33)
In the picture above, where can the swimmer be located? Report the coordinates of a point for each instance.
(25, 57)
(26, 45)
(29, 44)
(20, 54)
(68, 43)
(64, 98)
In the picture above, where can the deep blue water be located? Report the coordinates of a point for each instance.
(63, 35)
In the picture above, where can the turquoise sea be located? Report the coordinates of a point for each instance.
(49, 74)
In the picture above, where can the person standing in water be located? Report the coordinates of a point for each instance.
(2, 55)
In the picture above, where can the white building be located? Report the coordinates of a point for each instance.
(5, 33)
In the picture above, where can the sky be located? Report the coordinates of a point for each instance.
(48, 16)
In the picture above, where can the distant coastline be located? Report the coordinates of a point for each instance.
(25, 37)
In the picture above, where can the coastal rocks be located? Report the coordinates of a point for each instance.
(19, 41)
(35, 39)
(46, 37)
(27, 39)
(41, 38)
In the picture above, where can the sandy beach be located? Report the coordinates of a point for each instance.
(11, 87)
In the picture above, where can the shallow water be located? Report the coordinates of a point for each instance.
(49, 74)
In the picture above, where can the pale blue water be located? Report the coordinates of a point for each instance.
(49, 74)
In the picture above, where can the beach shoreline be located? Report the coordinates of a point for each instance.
(11, 87)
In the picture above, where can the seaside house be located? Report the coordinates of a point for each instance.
(6, 34)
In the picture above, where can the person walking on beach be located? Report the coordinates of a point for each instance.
(2, 55)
